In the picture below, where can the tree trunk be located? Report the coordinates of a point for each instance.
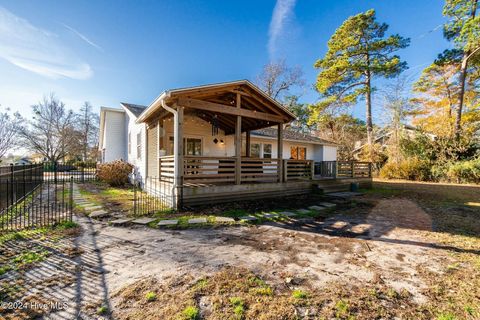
(368, 115)
(461, 95)
(462, 80)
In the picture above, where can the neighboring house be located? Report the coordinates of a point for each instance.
(383, 136)
(213, 139)
(22, 161)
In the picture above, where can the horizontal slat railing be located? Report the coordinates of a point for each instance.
(298, 169)
(166, 167)
(260, 170)
(354, 169)
(208, 169)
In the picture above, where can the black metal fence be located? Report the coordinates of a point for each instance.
(80, 171)
(152, 196)
(35, 203)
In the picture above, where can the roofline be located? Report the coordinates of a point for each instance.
(169, 92)
(326, 143)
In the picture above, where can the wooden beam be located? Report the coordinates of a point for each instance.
(226, 109)
(178, 154)
(247, 143)
(238, 144)
(280, 152)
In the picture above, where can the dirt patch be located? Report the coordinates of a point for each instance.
(237, 293)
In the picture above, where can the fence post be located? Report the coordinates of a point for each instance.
(312, 169)
(134, 196)
(12, 176)
(352, 167)
(55, 172)
(335, 169)
(83, 173)
(70, 200)
(369, 169)
(285, 170)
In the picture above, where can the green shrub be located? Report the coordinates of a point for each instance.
(191, 313)
(409, 169)
(114, 173)
(151, 296)
(464, 171)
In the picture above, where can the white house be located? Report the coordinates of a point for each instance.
(219, 134)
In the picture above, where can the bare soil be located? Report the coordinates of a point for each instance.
(399, 251)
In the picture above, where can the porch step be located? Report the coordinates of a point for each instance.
(120, 222)
(99, 214)
(143, 221)
(167, 222)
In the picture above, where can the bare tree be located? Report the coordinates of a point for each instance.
(50, 131)
(87, 127)
(9, 127)
(276, 79)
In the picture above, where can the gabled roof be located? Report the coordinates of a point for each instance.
(136, 109)
(220, 91)
(289, 134)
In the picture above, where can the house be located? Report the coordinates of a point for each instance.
(212, 143)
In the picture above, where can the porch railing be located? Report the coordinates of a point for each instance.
(213, 170)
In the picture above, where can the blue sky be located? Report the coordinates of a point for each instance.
(111, 51)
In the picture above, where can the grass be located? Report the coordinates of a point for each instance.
(299, 294)
(150, 296)
(191, 313)
(238, 306)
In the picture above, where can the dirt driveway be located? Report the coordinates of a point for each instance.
(381, 240)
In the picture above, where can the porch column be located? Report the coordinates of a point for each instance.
(178, 153)
(238, 145)
(247, 144)
(280, 152)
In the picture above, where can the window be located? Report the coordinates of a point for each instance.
(298, 153)
(129, 142)
(267, 150)
(255, 150)
(139, 145)
(191, 146)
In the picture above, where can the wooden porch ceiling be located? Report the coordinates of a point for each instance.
(256, 111)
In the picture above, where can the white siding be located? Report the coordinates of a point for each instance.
(197, 128)
(137, 160)
(114, 136)
(329, 153)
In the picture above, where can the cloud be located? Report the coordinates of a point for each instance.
(282, 13)
(83, 37)
(38, 50)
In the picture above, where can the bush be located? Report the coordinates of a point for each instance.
(114, 173)
(464, 171)
(409, 169)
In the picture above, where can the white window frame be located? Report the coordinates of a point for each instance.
(139, 145)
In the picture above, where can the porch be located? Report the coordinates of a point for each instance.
(208, 180)
(192, 162)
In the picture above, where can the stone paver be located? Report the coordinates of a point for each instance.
(224, 219)
(248, 218)
(197, 220)
(288, 213)
(303, 211)
(327, 204)
(120, 221)
(167, 222)
(143, 221)
(345, 194)
(99, 214)
(92, 208)
(316, 208)
(270, 215)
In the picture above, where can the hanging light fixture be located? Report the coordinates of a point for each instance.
(214, 125)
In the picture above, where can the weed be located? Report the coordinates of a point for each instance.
(191, 313)
(446, 316)
(238, 306)
(299, 294)
(151, 296)
(102, 310)
(201, 284)
(263, 291)
(4, 269)
(29, 257)
(342, 309)
(66, 225)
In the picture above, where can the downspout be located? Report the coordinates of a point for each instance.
(177, 164)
